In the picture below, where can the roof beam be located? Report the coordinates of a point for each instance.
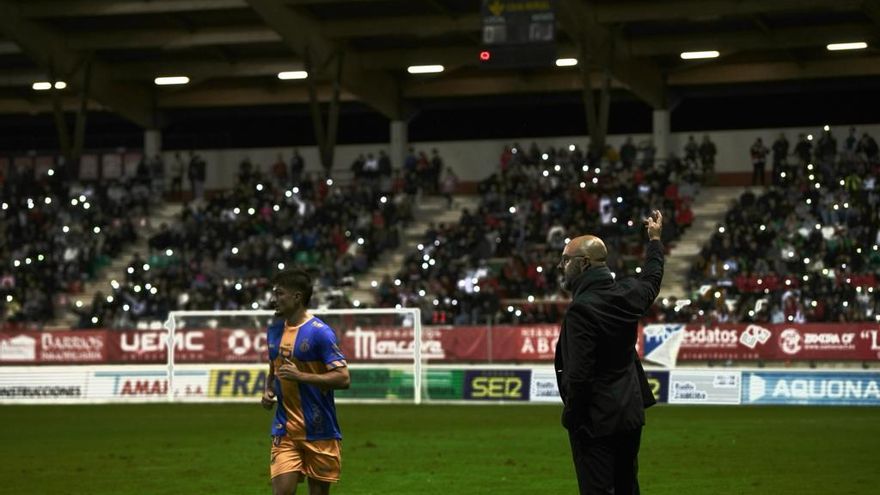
(649, 10)
(46, 47)
(777, 71)
(246, 96)
(605, 47)
(100, 8)
(9, 48)
(302, 33)
(200, 68)
(740, 41)
(495, 84)
(172, 39)
(420, 26)
(872, 10)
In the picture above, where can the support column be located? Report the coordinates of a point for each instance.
(399, 143)
(152, 143)
(661, 134)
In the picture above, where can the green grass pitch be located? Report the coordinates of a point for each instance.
(404, 449)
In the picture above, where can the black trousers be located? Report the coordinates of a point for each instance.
(607, 465)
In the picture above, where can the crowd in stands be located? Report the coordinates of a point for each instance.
(805, 250)
(57, 232)
(221, 253)
(498, 263)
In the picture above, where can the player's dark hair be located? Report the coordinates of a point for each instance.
(296, 279)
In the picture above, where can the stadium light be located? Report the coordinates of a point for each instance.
(424, 69)
(566, 62)
(699, 55)
(171, 80)
(292, 74)
(855, 45)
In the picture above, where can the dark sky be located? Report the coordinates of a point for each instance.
(696, 109)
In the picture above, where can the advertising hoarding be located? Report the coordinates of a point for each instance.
(704, 387)
(811, 388)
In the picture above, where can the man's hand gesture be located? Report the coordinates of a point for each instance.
(654, 225)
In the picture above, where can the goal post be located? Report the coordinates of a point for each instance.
(238, 345)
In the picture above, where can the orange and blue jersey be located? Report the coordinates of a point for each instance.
(304, 412)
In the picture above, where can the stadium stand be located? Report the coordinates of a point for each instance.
(219, 253)
(499, 261)
(58, 233)
(804, 251)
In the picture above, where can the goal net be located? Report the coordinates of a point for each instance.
(223, 356)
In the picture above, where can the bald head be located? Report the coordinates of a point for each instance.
(589, 246)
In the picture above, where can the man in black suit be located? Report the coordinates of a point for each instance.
(600, 378)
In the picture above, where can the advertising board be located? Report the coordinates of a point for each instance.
(497, 384)
(705, 387)
(811, 388)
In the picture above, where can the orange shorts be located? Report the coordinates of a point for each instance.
(318, 459)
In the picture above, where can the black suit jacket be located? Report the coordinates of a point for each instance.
(600, 377)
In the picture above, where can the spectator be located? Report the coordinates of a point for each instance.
(279, 172)
(450, 186)
(804, 149)
(759, 159)
(177, 169)
(780, 158)
(691, 149)
(707, 154)
(297, 166)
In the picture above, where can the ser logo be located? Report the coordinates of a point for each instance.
(656, 386)
(497, 385)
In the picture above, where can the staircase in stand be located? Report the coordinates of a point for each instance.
(428, 209)
(168, 213)
(710, 208)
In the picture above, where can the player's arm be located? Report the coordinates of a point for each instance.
(652, 272)
(336, 377)
(268, 400)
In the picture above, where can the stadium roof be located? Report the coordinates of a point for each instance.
(233, 50)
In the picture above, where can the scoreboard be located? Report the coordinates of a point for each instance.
(518, 33)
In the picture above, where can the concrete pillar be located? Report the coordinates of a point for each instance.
(152, 143)
(399, 143)
(661, 134)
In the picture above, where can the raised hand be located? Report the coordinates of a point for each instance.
(654, 225)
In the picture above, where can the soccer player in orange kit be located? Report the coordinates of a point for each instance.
(305, 366)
